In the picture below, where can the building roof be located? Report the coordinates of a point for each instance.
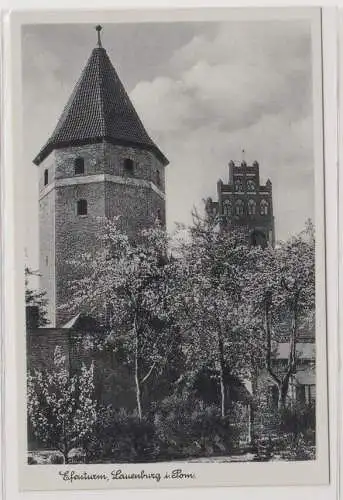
(81, 322)
(99, 109)
(304, 350)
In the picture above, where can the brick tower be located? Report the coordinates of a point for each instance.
(98, 162)
(244, 202)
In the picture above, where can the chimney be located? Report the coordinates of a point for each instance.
(32, 317)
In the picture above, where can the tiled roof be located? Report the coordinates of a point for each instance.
(99, 108)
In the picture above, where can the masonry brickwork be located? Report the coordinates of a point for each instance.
(137, 197)
(243, 201)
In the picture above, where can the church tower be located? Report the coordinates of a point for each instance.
(245, 202)
(98, 162)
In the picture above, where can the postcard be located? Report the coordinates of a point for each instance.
(170, 248)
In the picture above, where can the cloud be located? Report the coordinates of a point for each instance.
(241, 85)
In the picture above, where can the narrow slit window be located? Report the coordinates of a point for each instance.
(158, 178)
(264, 208)
(251, 207)
(82, 208)
(227, 208)
(79, 166)
(128, 166)
(46, 177)
(239, 208)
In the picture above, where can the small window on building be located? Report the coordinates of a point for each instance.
(264, 207)
(81, 207)
(239, 208)
(306, 394)
(251, 207)
(300, 394)
(46, 177)
(79, 166)
(128, 166)
(158, 178)
(251, 186)
(239, 186)
(226, 208)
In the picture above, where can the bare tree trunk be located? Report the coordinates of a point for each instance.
(283, 390)
(222, 394)
(137, 383)
(291, 367)
(221, 378)
(268, 331)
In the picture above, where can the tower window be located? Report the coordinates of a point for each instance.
(128, 166)
(239, 208)
(158, 178)
(81, 207)
(46, 177)
(264, 207)
(239, 186)
(251, 207)
(79, 166)
(251, 185)
(226, 207)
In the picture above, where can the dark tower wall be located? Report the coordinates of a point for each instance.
(137, 197)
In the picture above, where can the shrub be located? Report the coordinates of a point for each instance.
(121, 437)
(297, 448)
(186, 429)
(298, 420)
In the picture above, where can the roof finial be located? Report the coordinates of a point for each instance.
(98, 29)
(243, 155)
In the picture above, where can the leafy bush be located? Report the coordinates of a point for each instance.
(186, 429)
(298, 420)
(297, 448)
(176, 430)
(120, 436)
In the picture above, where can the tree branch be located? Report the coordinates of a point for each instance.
(145, 378)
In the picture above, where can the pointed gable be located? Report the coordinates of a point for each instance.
(99, 109)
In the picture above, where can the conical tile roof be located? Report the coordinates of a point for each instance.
(99, 108)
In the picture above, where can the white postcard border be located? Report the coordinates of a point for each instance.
(297, 473)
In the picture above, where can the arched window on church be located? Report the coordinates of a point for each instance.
(251, 207)
(79, 166)
(251, 187)
(264, 207)
(128, 166)
(239, 186)
(46, 177)
(158, 178)
(81, 207)
(227, 208)
(239, 208)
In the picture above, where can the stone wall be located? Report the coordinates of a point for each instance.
(41, 344)
(137, 198)
(113, 380)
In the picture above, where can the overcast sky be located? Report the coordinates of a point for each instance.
(204, 91)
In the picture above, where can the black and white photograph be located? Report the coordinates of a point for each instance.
(173, 250)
